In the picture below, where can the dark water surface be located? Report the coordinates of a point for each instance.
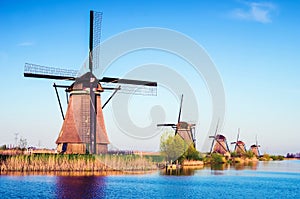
(265, 180)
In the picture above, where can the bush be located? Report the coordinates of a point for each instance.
(192, 154)
(249, 154)
(266, 156)
(277, 157)
(234, 154)
(217, 158)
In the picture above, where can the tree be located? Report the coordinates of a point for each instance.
(172, 146)
(3, 147)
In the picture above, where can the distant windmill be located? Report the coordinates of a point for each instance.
(185, 130)
(16, 139)
(255, 148)
(219, 143)
(239, 147)
(83, 129)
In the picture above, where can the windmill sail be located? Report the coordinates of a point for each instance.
(95, 36)
(37, 71)
(179, 115)
(214, 136)
(129, 86)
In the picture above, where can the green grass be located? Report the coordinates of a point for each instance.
(155, 158)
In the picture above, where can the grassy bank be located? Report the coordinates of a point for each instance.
(74, 163)
(216, 158)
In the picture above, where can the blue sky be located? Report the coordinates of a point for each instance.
(255, 46)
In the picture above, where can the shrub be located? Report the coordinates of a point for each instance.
(266, 156)
(277, 157)
(234, 154)
(192, 154)
(217, 158)
(249, 154)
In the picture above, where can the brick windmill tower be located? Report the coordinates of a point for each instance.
(83, 130)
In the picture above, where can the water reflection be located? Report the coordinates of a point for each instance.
(250, 165)
(65, 173)
(80, 186)
(220, 167)
(236, 166)
(178, 172)
(216, 169)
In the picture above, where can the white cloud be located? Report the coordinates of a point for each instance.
(253, 11)
(26, 43)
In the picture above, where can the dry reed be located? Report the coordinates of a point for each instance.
(74, 163)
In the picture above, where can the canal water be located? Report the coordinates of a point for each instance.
(277, 179)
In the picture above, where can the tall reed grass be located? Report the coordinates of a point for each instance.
(57, 162)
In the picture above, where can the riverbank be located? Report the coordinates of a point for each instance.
(216, 158)
(97, 164)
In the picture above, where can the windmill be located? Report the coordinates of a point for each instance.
(219, 143)
(239, 147)
(83, 130)
(255, 148)
(185, 130)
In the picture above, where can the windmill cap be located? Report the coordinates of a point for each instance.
(221, 137)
